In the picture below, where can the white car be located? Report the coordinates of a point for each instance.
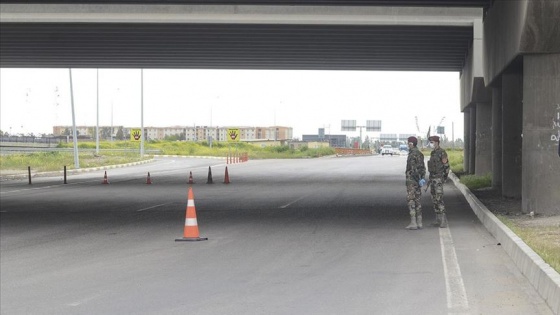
(387, 149)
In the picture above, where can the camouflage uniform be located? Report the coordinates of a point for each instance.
(438, 166)
(415, 171)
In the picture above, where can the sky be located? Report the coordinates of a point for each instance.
(34, 100)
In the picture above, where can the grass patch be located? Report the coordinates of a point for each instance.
(55, 161)
(129, 152)
(474, 182)
(455, 156)
(544, 240)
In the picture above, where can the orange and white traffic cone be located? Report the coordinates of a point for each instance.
(105, 180)
(226, 178)
(191, 181)
(148, 179)
(190, 232)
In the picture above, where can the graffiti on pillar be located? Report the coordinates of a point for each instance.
(556, 125)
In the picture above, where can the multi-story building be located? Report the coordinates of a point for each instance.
(188, 133)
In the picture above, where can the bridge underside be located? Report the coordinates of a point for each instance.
(234, 46)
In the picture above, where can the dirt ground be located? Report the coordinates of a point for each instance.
(511, 208)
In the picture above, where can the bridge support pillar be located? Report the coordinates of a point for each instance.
(512, 114)
(472, 140)
(483, 160)
(467, 143)
(497, 138)
(541, 130)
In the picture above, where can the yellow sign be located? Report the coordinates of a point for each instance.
(233, 134)
(135, 134)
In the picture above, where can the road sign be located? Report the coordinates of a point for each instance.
(348, 125)
(233, 135)
(135, 134)
(373, 125)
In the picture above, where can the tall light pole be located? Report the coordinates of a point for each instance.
(142, 113)
(97, 121)
(74, 131)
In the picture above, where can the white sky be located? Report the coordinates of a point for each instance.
(303, 100)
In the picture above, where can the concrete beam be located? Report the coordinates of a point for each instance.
(243, 14)
(473, 70)
(513, 28)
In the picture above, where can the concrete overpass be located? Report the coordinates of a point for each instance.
(507, 53)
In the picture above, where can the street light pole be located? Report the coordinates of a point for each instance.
(74, 131)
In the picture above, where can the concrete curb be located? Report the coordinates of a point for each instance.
(543, 277)
(73, 171)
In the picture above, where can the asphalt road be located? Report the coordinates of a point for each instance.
(313, 236)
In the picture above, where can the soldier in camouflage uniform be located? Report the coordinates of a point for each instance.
(415, 172)
(438, 166)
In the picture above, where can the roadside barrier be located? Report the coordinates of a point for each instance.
(349, 151)
(237, 158)
(190, 232)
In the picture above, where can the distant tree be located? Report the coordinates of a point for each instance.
(366, 143)
(120, 134)
(105, 132)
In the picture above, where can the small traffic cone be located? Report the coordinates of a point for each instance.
(191, 181)
(105, 180)
(148, 179)
(226, 178)
(191, 232)
(209, 181)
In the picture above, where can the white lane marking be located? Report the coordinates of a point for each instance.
(45, 187)
(148, 208)
(291, 203)
(457, 301)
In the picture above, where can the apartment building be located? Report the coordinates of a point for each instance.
(188, 133)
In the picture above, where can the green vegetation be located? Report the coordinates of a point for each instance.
(544, 240)
(55, 161)
(474, 182)
(120, 152)
(455, 158)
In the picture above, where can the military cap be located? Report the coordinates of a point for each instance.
(434, 138)
(414, 140)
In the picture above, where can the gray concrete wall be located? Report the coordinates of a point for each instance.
(467, 140)
(473, 66)
(497, 137)
(512, 113)
(512, 28)
(472, 140)
(542, 27)
(541, 133)
(503, 26)
(483, 160)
